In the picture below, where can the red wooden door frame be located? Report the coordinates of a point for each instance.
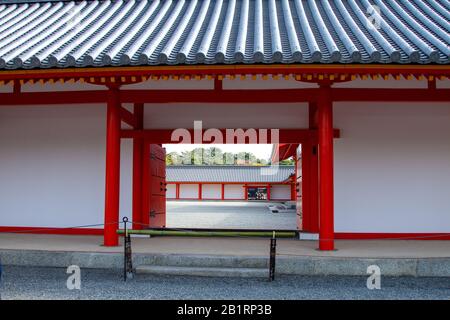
(147, 185)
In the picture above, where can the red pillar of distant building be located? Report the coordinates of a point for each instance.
(112, 178)
(326, 155)
(138, 148)
(268, 192)
(177, 191)
(293, 188)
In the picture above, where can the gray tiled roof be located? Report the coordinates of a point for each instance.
(227, 173)
(43, 34)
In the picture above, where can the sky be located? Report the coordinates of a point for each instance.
(261, 151)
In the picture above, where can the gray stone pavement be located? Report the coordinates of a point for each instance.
(50, 283)
(227, 214)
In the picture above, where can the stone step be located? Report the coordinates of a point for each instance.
(210, 261)
(203, 271)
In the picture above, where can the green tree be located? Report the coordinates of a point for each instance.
(215, 156)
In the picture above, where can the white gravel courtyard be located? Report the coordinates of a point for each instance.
(227, 215)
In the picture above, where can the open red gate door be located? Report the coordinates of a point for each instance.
(155, 186)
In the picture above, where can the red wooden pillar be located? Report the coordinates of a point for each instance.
(200, 191)
(293, 189)
(314, 189)
(326, 156)
(306, 190)
(138, 149)
(268, 192)
(223, 191)
(146, 184)
(313, 168)
(112, 177)
(294, 180)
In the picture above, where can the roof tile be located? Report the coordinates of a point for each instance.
(45, 34)
(228, 173)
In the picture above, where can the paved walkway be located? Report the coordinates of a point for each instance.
(231, 246)
(228, 215)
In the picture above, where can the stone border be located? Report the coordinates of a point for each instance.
(291, 265)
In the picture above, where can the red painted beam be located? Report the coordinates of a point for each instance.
(164, 136)
(226, 96)
(112, 181)
(51, 98)
(219, 96)
(326, 159)
(48, 230)
(129, 118)
(215, 70)
(390, 95)
(391, 236)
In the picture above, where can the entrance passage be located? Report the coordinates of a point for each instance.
(257, 193)
(228, 187)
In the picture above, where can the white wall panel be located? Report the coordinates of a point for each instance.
(52, 166)
(171, 192)
(392, 167)
(392, 163)
(188, 191)
(234, 191)
(280, 192)
(211, 191)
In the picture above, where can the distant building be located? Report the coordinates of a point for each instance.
(229, 182)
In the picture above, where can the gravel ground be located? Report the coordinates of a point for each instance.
(233, 214)
(50, 283)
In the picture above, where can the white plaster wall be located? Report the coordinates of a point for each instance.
(171, 191)
(211, 191)
(280, 192)
(392, 167)
(234, 191)
(392, 163)
(216, 115)
(52, 166)
(188, 191)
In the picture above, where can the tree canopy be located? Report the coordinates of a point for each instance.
(215, 156)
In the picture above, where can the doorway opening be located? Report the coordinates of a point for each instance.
(225, 187)
(256, 193)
